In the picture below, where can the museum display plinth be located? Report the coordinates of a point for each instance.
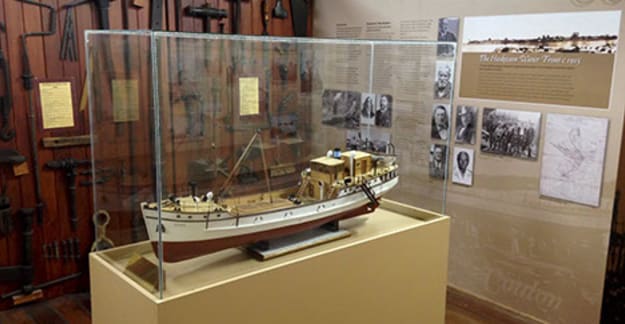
(393, 269)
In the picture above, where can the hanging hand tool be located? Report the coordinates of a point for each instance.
(278, 11)
(264, 11)
(24, 273)
(156, 15)
(75, 242)
(190, 95)
(28, 77)
(101, 219)
(235, 22)
(68, 40)
(6, 102)
(299, 12)
(206, 12)
(8, 157)
(102, 7)
(70, 165)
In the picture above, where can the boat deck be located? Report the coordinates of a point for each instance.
(263, 206)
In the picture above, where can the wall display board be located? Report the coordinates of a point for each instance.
(519, 62)
(557, 58)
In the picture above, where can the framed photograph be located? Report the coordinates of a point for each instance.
(463, 166)
(384, 111)
(447, 32)
(443, 87)
(341, 108)
(370, 140)
(511, 133)
(438, 161)
(466, 119)
(368, 109)
(440, 122)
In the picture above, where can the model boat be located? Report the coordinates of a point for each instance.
(337, 186)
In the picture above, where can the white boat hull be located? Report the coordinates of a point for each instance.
(187, 235)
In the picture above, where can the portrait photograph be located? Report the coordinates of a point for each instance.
(466, 119)
(443, 87)
(511, 133)
(438, 161)
(447, 32)
(367, 110)
(384, 111)
(440, 122)
(463, 166)
(341, 108)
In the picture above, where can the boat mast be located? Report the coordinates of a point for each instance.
(234, 171)
(265, 167)
(236, 167)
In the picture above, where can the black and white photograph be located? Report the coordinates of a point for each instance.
(384, 111)
(466, 119)
(440, 122)
(438, 161)
(370, 140)
(511, 133)
(463, 166)
(367, 110)
(593, 32)
(443, 86)
(447, 32)
(341, 108)
(284, 126)
(305, 69)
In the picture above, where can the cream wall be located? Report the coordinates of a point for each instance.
(540, 256)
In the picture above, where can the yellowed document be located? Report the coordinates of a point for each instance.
(56, 104)
(125, 100)
(248, 96)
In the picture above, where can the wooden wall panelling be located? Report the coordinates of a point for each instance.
(247, 13)
(145, 161)
(225, 5)
(56, 208)
(82, 21)
(35, 21)
(121, 135)
(84, 198)
(46, 65)
(9, 248)
(5, 171)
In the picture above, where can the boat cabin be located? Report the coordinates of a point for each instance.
(362, 163)
(324, 171)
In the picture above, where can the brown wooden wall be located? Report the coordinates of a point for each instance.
(46, 66)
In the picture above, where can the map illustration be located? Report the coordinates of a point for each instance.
(572, 165)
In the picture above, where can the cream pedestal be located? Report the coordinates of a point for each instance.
(393, 269)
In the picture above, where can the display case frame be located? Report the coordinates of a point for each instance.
(171, 105)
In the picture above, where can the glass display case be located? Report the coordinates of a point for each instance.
(205, 144)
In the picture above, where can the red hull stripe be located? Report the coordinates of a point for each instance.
(179, 251)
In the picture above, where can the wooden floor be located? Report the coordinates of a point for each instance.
(76, 309)
(68, 309)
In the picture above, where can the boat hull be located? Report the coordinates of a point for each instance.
(188, 235)
(180, 251)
